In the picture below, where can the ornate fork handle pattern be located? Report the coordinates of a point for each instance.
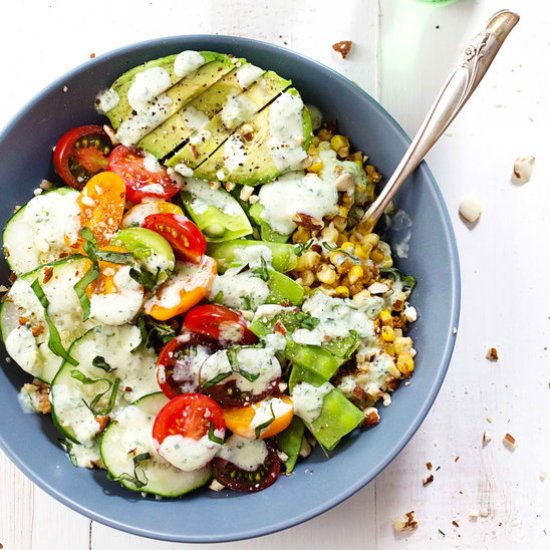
(475, 62)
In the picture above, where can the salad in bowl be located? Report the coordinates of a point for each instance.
(194, 294)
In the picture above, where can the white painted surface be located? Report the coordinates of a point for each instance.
(401, 57)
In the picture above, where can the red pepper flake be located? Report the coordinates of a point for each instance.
(343, 47)
(194, 152)
(48, 273)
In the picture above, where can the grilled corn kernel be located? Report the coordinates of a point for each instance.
(377, 256)
(387, 334)
(342, 291)
(340, 223)
(307, 277)
(386, 317)
(329, 233)
(348, 247)
(372, 173)
(337, 258)
(393, 370)
(343, 211)
(324, 134)
(340, 144)
(308, 260)
(326, 274)
(316, 166)
(402, 344)
(361, 253)
(341, 239)
(356, 156)
(371, 239)
(301, 235)
(389, 348)
(313, 150)
(405, 363)
(355, 273)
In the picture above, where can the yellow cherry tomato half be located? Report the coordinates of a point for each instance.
(135, 216)
(102, 204)
(260, 420)
(189, 284)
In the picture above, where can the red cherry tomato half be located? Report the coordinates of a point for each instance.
(220, 323)
(81, 153)
(188, 415)
(185, 237)
(176, 363)
(141, 181)
(235, 478)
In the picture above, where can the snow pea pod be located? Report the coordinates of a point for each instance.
(290, 442)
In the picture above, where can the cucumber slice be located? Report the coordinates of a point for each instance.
(120, 374)
(22, 322)
(43, 222)
(129, 455)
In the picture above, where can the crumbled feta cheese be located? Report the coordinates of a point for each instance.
(378, 288)
(410, 314)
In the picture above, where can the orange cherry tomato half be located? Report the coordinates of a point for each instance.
(142, 180)
(176, 373)
(189, 415)
(102, 204)
(137, 214)
(277, 410)
(185, 237)
(219, 322)
(189, 284)
(81, 153)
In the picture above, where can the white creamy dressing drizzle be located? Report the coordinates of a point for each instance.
(22, 346)
(84, 457)
(234, 153)
(266, 411)
(237, 109)
(246, 454)
(137, 215)
(186, 277)
(187, 62)
(188, 454)
(240, 290)
(308, 400)
(151, 163)
(248, 74)
(286, 132)
(52, 216)
(118, 308)
(147, 85)
(268, 311)
(337, 317)
(106, 100)
(196, 121)
(256, 361)
(203, 196)
(186, 371)
(184, 170)
(253, 255)
(307, 194)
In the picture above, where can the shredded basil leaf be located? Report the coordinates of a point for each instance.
(268, 422)
(143, 278)
(409, 282)
(92, 250)
(68, 448)
(334, 248)
(247, 302)
(218, 299)
(134, 479)
(262, 271)
(154, 333)
(217, 379)
(80, 288)
(212, 436)
(54, 340)
(300, 248)
(100, 363)
(111, 387)
(305, 320)
(232, 357)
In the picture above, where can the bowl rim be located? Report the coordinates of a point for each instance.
(455, 287)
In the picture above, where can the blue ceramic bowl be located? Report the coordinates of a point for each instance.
(318, 483)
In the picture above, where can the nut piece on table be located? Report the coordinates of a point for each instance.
(470, 209)
(343, 47)
(509, 442)
(523, 168)
(404, 523)
(492, 354)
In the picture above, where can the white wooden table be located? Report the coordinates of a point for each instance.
(402, 51)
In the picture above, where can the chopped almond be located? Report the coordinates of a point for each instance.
(343, 47)
(509, 442)
(492, 354)
(404, 523)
